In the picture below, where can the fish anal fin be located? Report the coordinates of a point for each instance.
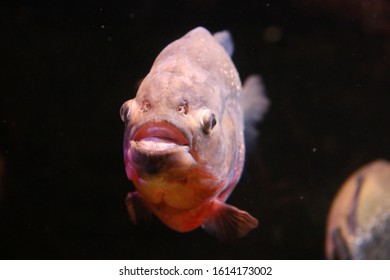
(139, 213)
(227, 222)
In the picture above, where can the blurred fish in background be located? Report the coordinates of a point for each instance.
(359, 220)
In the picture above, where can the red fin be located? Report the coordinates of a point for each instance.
(227, 222)
(138, 212)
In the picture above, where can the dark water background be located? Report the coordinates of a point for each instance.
(66, 68)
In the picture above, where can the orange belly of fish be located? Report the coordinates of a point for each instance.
(182, 220)
(184, 207)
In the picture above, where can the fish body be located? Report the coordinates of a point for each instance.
(359, 219)
(184, 136)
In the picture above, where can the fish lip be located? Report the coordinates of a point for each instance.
(158, 146)
(161, 132)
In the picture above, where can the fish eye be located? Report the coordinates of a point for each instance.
(209, 122)
(124, 111)
(183, 109)
(213, 121)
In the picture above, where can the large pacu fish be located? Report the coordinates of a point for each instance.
(359, 219)
(184, 136)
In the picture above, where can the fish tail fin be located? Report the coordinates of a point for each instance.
(254, 103)
(228, 222)
(138, 212)
(225, 39)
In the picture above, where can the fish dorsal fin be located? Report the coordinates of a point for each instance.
(225, 39)
(254, 104)
(227, 222)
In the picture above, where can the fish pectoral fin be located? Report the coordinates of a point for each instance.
(227, 222)
(137, 210)
(255, 104)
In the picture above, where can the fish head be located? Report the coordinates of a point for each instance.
(169, 128)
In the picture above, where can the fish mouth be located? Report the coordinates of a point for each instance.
(158, 147)
(159, 138)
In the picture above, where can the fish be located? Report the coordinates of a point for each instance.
(358, 225)
(184, 146)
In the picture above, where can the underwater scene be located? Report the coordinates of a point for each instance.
(195, 130)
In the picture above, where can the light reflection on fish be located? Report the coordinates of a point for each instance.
(359, 219)
(184, 136)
